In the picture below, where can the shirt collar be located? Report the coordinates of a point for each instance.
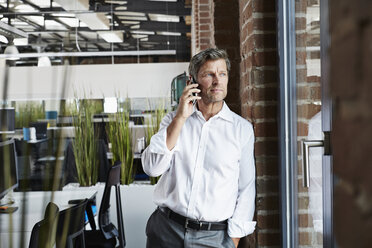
(225, 113)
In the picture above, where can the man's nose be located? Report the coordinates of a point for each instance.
(216, 79)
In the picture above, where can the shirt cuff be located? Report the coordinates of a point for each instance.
(158, 143)
(238, 228)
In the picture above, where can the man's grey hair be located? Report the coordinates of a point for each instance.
(208, 54)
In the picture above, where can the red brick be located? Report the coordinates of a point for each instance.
(269, 111)
(265, 58)
(265, 24)
(267, 203)
(269, 148)
(264, 94)
(301, 40)
(204, 8)
(267, 6)
(267, 186)
(263, 76)
(266, 129)
(307, 111)
(300, 57)
(300, 6)
(205, 21)
(266, 165)
(268, 239)
(300, 23)
(303, 202)
(305, 220)
(204, 14)
(265, 40)
(302, 129)
(270, 221)
(304, 238)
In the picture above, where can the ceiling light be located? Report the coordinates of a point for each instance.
(147, 45)
(116, 2)
(73, 5)
(63, 14)
(39, 20)
(3, 39)
(139, 36)
(135, 27)
(95, 21)
(121, 8)
(11, 5)
(44, 3)
(20, 41)
(168, 33)
(9, 31)
(51, 24)
(44, 61)
(136, 18)
(142, 32)
(21, 8)
(111, 36)
(71, 22)
(131, 13)
(164, 18)
(130, 22)
(10, 51)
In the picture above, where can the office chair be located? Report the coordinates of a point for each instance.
(43, 233)
(70, 229)
(107, 234)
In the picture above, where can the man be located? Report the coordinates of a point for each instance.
(204, 152)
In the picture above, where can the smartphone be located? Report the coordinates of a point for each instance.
(193, 81)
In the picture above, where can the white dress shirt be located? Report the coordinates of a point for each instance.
(210, 174)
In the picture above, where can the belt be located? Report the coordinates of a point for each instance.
(194, 224)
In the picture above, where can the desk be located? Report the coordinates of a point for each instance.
(35, 202)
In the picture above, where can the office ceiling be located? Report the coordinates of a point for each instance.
(97, 28)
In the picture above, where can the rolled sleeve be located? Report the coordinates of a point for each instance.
(239, 228)
(157, 157)
(241, 223)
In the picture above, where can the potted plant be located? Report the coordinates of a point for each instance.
(120, 137)
(85, 145)
(27, 112)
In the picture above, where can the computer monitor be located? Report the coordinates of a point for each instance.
(7, 120)
(8, 168)
(41, 128)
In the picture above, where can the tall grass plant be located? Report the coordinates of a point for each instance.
(85, 145)
(120, 137)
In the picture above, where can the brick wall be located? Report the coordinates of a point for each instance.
(351, 88)
(259, 99)
(226, 35)
(247, 31)
(203, 25)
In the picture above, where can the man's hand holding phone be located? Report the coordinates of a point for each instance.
(185, 109)
(187, 100)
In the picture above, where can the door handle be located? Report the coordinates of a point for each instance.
(306, 145)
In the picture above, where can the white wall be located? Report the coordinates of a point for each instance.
(91, 81)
